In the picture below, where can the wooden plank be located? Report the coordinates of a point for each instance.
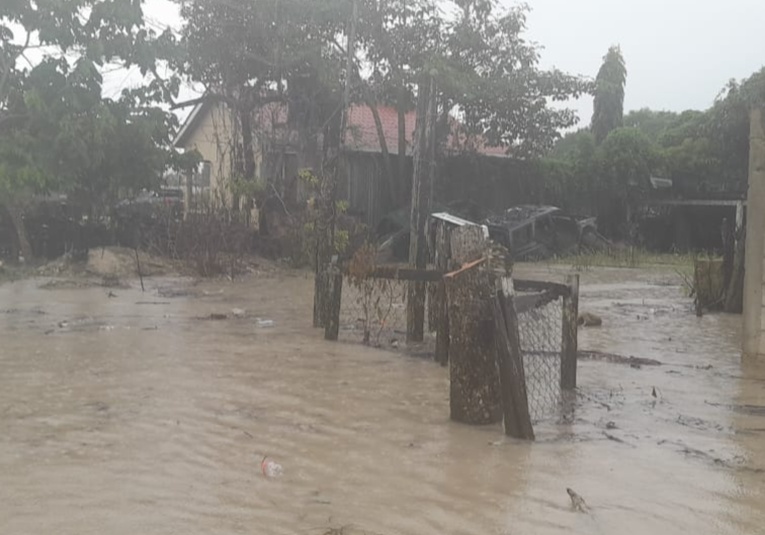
(466, 267)
(521, 285)
(515, 405)
(570, 327)
(442, 259)
(406, 274)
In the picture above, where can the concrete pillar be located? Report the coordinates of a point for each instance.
(754, 278)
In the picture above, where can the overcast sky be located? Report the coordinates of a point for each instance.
(679, 53)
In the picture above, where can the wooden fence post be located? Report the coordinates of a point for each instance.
(474, 390)
(512, 377)
(442, 256)
(333, 302)
(570, 326)
(320, 298)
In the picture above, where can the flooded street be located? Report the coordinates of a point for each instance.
(140, 414)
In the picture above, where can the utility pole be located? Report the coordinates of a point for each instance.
(325, 228)
(424, 171)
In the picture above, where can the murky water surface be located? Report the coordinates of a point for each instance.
(132, 414)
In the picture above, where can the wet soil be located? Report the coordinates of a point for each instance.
(137, 414)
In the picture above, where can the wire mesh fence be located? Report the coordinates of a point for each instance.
(541, 345)
(373, 312)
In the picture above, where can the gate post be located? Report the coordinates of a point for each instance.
(568, 361)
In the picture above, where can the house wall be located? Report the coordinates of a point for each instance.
(365, 188)
(212, 138)
(494, 183)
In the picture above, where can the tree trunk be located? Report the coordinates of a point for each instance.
(474, 392)
(395, 189)
(333, 150)
(16, 215)
(247, 144)
(401, 110)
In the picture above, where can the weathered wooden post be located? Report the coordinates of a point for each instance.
(570, 327)
(421, 202)
(320, 298)
(334, 301)
(512, 377)
(474, 392)
(442, 256)
(431, 230)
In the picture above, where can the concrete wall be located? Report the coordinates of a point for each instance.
(212, 137)
(754, 279)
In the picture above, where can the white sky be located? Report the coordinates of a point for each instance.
(679, 53)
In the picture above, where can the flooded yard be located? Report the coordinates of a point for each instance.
(150, 413)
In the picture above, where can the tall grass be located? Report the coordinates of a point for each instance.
(627, 257)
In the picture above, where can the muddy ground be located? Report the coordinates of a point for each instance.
(128, 412)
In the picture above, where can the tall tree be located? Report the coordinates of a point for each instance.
(491, 73)
(399, 39)
(250, 53)
(608, 112)
(53, 120)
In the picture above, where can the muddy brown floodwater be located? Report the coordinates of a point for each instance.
(131, 414)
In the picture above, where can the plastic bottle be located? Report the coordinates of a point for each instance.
(270, 469)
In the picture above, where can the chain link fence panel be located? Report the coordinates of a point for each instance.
(373, 312)
(541, 345)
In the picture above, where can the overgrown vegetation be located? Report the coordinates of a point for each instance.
(704, 153)
(628, 257)
(375, 297)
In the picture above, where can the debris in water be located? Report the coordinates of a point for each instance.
(587, 319)
(270, 469)
(577, 502)
(238, 312)
(617, 359)
(264, 324)
(111, 295)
